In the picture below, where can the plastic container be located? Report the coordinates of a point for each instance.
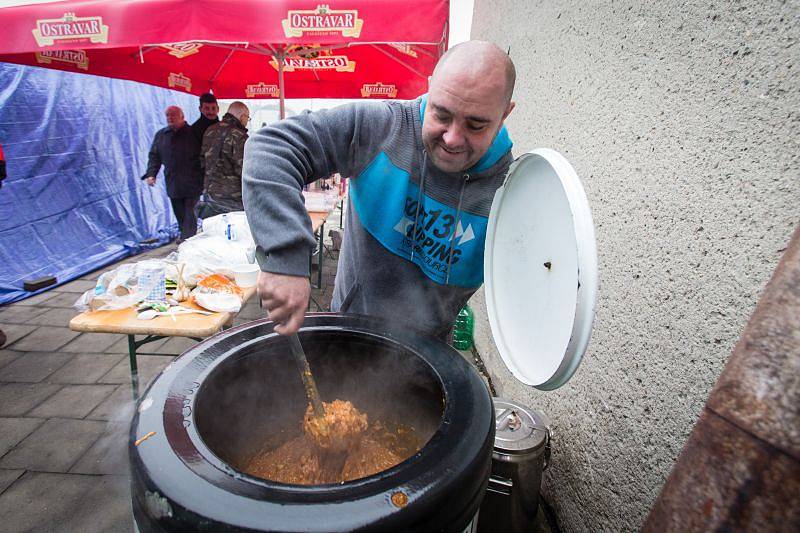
(246, 275)
(521, 453)
(464, 329)
(152, 280)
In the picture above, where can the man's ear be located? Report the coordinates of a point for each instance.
(508, 110)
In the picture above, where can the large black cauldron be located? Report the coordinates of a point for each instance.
(223, 398)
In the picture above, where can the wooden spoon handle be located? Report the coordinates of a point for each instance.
(305, 374)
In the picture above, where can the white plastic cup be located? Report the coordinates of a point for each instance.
(246, 275)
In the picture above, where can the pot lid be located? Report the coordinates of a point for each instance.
(518, 429)
(541, 270)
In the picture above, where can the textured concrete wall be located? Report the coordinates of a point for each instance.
(683, 120)
(740, 468)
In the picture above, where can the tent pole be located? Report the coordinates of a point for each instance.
(399, 61)
(280, 56)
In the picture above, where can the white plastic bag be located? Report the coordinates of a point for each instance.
(232, 226)
(220, 302)
(173, 267)
(115, 289)
(218, 293)
(320, 201)
(206, 254)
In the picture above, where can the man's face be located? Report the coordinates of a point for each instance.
(210, 110)
(462, 118)
(174, 117)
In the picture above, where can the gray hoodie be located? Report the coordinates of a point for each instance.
(413, 246)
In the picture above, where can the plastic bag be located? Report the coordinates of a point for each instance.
(151, 279)
(218, 293)
(115, 289)
(206, 254)
(174, 266)
(225, 244)
(320, 201)
(232, 226)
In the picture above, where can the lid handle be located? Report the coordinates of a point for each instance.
(508, 420)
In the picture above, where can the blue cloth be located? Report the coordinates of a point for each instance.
(76, 146)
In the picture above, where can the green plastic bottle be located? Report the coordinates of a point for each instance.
(463, 330)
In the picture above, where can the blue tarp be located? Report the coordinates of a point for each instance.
(75, 147)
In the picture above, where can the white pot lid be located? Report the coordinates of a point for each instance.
(541, 270)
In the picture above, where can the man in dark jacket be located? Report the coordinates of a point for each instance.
(209, 115)
(221, 158)
(178, 150)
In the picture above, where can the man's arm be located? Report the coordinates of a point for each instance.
(207, 151)
(196, 158)
(153, 161)
(237, 153)
(278, 161)
(203, 149)
(197, 130)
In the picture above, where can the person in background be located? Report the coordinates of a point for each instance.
(209, 115)
(221, 158)
(424, 173)
(176, 147)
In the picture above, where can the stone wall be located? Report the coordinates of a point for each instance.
(683, 121)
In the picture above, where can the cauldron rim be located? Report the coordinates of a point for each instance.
(168, 464)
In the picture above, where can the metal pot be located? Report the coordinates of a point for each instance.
(521, 453)
(233, 392)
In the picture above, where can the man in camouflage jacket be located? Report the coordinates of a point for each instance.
(221, 158)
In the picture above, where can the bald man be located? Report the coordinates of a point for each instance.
(177, 148)
(424, 173)
(221, 158)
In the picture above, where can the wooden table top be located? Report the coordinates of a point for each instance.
(317, 218)
(124, 320)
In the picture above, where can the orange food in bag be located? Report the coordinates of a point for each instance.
(219, 283)
(217, 293)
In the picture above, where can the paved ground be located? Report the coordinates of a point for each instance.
(66, 405)
(65, 408)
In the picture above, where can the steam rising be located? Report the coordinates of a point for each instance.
(257, 396)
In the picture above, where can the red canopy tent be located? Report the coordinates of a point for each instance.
(238, 48)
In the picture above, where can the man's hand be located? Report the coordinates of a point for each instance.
(286, 299)
(150, 180)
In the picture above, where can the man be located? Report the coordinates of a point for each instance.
(178, 150)
(424, 175)
(221, 158)
(209, 115)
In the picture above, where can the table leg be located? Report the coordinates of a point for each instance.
(134, 369)
(133, 349)
(321, 254)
